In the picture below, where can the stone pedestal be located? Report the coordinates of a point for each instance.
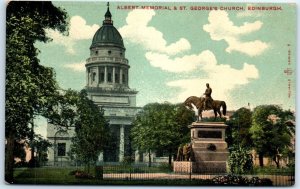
(183, 166)
(209, 147)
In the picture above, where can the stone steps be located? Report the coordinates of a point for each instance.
(209, 151)
(210, 166)
(211, 156)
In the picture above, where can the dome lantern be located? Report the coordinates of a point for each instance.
(107, 34)
(107, 16)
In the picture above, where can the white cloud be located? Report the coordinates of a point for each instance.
(220, 27)
(183, 64)
(78, 67)
(222, 79)
(137, 31)
(78, 30)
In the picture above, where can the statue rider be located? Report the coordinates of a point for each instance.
(208, 100)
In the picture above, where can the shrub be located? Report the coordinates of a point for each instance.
(241, 181)
(255, 181)
(128, 160)
(73, 172)
(230, 180)
(83, 175)
(165, 167)
(213, 119)
(33, 163)
(21, 164)
(240, 161)
(291, 165)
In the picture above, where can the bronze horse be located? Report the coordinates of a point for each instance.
(199, 103)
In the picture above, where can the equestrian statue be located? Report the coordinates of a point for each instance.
(206, 103)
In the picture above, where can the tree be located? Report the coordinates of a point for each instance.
(238, 131)
(161, 127)
(91, 130)
(40, 146)
(62, 109)
(270, 132)
(26, 91)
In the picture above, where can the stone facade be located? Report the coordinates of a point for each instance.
(60, 138)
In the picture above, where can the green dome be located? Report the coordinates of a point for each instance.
(107, 34)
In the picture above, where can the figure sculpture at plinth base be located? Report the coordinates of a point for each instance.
(209, 149)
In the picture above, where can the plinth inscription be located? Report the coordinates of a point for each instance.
(209, 134)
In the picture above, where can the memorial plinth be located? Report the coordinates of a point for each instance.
(209, 147)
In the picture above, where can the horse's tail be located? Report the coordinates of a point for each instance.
(224, 107)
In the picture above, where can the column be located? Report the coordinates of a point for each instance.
(113, 75)
(122, 143)
(87, 77)
(126, 77)
(121, 76)
(105, 74)
(97, 75)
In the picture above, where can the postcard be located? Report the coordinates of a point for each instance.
(150, 93)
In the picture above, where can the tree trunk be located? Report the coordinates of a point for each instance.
(9, 157)
(170, 157)
(276, 160)
(261, 159)
(88, 167)
(31, 140)
(149, 155)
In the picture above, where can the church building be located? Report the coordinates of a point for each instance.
(107, 84)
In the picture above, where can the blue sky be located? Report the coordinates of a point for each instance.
(173, 53)
(265, 90)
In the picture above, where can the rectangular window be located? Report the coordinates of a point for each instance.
(123, 78)
(61, 149)
(125, 81)
(109, 79)
(102, 74)
(117, 80)
(101, 77)
(117, 75)
(109, 74)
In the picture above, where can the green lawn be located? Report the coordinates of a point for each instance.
(44, 176)
(62, 176)
(272, 170)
